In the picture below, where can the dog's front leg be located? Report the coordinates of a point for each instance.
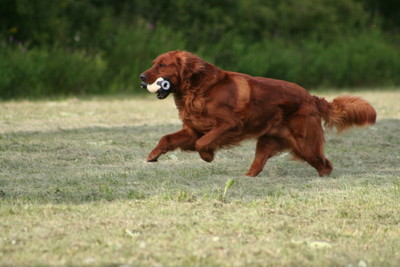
(207, 141)
(184, 139)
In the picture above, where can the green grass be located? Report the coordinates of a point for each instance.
(75, 190)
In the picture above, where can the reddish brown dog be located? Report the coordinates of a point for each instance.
(221, 108)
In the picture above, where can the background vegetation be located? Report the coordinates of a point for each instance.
(100, 46)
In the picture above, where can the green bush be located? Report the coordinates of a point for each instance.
(56, 71)
(101, 46)
(361, 60)
(45, 72)
(132, 51)
(365, 59)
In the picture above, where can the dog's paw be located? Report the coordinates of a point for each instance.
(152, 158)
(252, 173)
(206, 155)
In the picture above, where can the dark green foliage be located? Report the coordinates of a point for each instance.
(101, 46)
(39, 72)
(363, 59)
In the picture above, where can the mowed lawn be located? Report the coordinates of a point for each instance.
(75, 190)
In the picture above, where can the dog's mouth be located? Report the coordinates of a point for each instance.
(162, 94)
(162, 87)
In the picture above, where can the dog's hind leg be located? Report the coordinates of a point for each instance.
(307, 142)
(316, 160)
(267, 147)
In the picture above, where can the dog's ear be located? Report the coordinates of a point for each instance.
(190, 65)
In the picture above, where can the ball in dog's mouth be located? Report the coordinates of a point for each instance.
(161, 87)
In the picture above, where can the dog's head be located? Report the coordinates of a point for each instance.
(178, 68)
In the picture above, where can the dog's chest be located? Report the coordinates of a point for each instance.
(199, 124)
(199, 121)
(195, 113)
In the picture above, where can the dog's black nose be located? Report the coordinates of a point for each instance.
(143, 77)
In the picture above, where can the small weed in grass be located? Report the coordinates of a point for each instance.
(228, 185)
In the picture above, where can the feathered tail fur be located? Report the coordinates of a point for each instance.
(345, 112)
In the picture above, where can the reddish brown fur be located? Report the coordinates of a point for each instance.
(220, 108)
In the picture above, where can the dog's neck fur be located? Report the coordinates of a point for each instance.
(192, 91)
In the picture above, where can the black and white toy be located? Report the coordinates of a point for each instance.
(160, 83)
(161, 86)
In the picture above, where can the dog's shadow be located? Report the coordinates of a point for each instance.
(92, 164)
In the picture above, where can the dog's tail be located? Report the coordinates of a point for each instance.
(346, 111)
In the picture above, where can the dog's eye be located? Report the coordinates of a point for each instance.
(161, 65)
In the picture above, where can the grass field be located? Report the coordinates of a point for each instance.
(75, 190)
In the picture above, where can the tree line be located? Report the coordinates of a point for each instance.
(100, 46)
